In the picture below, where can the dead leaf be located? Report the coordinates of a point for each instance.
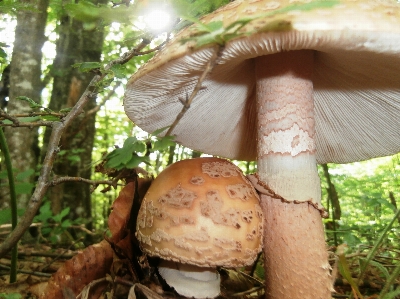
(90, 264)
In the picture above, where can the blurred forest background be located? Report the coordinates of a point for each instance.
(49, 52)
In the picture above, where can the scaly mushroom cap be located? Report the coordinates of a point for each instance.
(356, 78)
(202, 212)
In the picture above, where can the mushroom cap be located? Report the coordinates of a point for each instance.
(356, 78)
(202, 212)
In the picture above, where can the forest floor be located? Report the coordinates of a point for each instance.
(37, 262)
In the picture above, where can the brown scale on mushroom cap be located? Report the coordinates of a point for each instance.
(203, 212)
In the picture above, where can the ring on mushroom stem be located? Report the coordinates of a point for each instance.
(199, 214)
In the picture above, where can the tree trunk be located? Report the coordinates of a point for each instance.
(75, 45)
(332, 194)
(25, 81)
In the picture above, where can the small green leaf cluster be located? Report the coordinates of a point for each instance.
(72, 155)
(44, 113)
(5, 215)
(22, 184)
(54, 227)
(91, 13)
(115, 71)
(12, 6)
(136, 151)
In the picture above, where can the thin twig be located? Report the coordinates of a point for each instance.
(188, 101)
(57, 131)
(9, 117)
(61, 180)
(61, 254)
(29, 124)
(31, 114)
(35, 273)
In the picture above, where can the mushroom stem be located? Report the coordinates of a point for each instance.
(296, 261)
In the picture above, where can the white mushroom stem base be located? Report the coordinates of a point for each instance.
(191, 281)
(296, 260)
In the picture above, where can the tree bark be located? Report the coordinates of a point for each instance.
(25, 81)
(75, 45)
(332, 194)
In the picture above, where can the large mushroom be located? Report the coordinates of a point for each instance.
(199, 214)
(296, 86)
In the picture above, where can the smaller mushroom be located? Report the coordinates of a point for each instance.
(199, 214)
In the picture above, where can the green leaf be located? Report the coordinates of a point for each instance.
(29, 119)
(66, 223)
(74, 158)
(163, 143)
(5, 215)
(120, 157)
(89, 13)
(25, 174)
(65, 110)
(159, 131)
(119, 71)
(62, 152)
(377, 265)
(135, 161)
(45, 213)
(87, 66)
(24, 188)
(58, 218)
(31, 102)
(49, 118)
(3, 53)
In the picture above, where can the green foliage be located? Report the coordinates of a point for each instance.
(5, 215)
(136, 151)
(10, 296)
(364, 198)
(72, 155)
(91, 13)
(127, 156)
(3, 54)
(54, 226)
(87, 66)
(22, 184)
(12, 6)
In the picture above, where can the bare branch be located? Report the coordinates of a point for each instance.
(29, 124)
(4, 115)
(95, 183)
(30, 114)
(186, 103)
(16, 122)
(57, 131)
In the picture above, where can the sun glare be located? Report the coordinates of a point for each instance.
(158, 20)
